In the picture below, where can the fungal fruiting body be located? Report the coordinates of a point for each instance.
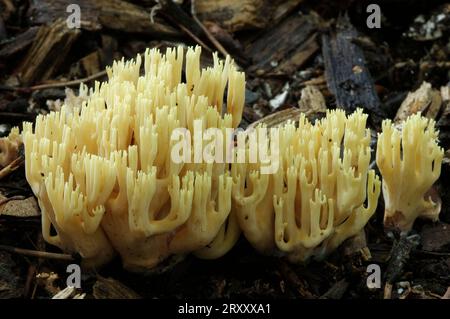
(107, 182)
(102, 170)
(410, 162)
(9, 147)
(317, 197)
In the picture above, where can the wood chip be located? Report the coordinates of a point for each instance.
(108, 288)
(47, 280)
(287, 46)
(277, 118)
(66, 293)
(69, 293)
(19, 208)
(234, 15)
(425, 100)
(48, 52)
(312, 101)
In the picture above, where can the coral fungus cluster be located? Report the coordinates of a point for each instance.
(316, 198)
(410, 162)
(103, 173)
(107, 183)
(9, 147)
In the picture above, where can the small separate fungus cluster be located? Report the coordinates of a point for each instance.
(410, 162)
(10, 147)
(106, 181)
(316, 198)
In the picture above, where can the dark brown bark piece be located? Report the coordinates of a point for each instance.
(108, 288)
(19, 43)
(236, 15)
(299, 284)
(399, 256)
(48, 52)
(348, 77)
(336, 291)
(48, 11)
(126, 17)
(287, 46)
(110, 14)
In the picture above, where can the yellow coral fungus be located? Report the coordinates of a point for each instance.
(316, 199)
(409, 162)
(110, 175)
(103, 172)
(9, 147)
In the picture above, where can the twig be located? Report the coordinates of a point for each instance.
(33, 294)
(28, 282)
(387, 291)
(174, 13)
(399, 255)
(211, 38)
(68, 83)
(193, 36)
(7, 88)
(36, 253)
(11, 167)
